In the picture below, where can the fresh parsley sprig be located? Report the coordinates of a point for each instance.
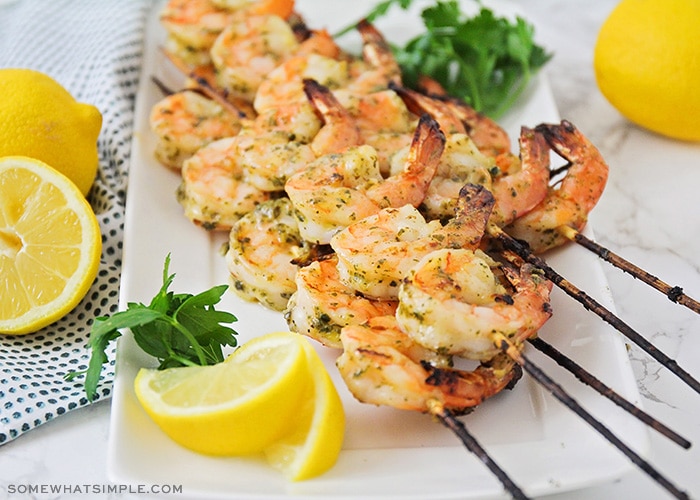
(486, 60)
(179, 329)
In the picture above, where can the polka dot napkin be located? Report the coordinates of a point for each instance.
(93, 49)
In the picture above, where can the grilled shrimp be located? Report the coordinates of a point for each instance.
(248, 49)
(261, 37)
(214, 192)
(518, 184)
(187, 121)
(453, 302)
(569, 203)
(272, 151)
(523, 184)
(461, 163)
(377, 252)
(338, 189)
(340, 72)
(263, 246)
(322, 305)
(381, 365)
(384, 122)
(192, 26)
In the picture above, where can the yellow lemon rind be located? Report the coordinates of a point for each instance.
(39, 118)
(316, 444)
(244, 426)
(78, 284)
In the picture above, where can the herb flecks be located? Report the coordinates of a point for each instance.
(179, 329)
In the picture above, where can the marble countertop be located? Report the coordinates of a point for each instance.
(649, 213)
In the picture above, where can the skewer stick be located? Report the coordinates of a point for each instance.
(591, 304)
(206, 87)
(674, 293)
(589, 379)
(162, 86)
(449, 421)
(558, 392)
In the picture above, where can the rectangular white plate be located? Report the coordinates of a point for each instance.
(387, 453)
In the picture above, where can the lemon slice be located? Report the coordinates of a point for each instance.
(315, 444)
(50, 245)
(237, 407)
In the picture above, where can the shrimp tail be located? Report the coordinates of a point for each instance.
(411, 185)
(377, 51)
(427, 146)
(339, 131)
(589, 166)
(472, 214)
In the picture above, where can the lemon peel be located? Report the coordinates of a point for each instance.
(647, 66)
(273, 395)
(40, 119)
(238, 407)
(50, 245)
(315, 445)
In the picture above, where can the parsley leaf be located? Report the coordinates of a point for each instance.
(486, 60)
(177, 329)
(379, 10)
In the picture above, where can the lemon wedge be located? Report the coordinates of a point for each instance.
(50, 245)
(315, 444)
(238, 407)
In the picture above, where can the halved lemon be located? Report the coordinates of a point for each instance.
(315, 444)
(237, 407)
(50, 245)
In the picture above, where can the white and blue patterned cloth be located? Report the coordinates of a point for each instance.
(94, 49)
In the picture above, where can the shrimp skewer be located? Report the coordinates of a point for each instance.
(376, 253)
(452, 302)
(570, 203)
(569, 206)
(381, 365)
(338, 189)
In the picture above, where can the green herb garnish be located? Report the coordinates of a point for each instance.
(485, 60)
(177, 329)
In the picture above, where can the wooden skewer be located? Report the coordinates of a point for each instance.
(589, 379)
(591, 304)
(207, 88)
(449, 421)
(162, 86)
(674, 293)
(558, 392)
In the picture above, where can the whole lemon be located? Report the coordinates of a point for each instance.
(41, 119)
(647, 64)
